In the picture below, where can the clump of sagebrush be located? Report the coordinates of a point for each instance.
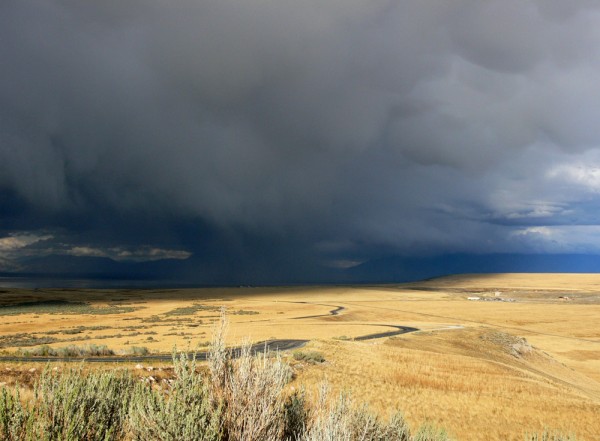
(68, 406)
(82, 406)
(429, 432)
(90, 350)
(296, 414)
(184, 411)
(23, 339)
(250, 389)
(341, 420)
(15, 418)
(136, 350)
(309, 356)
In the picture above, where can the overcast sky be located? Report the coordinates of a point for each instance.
(289, 134)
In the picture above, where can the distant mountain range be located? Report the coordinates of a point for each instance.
(389, 269)
(401, 269)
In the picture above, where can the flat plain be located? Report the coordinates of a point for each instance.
(495, 356)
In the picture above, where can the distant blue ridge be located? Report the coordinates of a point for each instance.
(86, 272)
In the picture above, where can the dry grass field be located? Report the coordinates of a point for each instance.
(525, 356)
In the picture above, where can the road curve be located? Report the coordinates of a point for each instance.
(399, 330)
(335, 311)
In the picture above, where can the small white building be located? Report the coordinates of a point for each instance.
(473, 298)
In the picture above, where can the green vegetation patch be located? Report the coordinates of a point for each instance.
(158, 319)
(80, 329)
(191, 310)
(309, 356)
(23, 339)
(137, 351)
(61, 307)
(196, 307)
(68, 351)
(243, 312)
(75, 351)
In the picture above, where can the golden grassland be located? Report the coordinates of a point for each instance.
(468, 369)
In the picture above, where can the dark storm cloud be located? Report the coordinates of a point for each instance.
(339, 130)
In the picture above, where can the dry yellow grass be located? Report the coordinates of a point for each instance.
(488, 395)
(466, 370)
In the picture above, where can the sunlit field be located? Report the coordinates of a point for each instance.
(523, 356)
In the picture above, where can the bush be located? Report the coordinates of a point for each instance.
(137, 351)
(184, 411)
(15, 419)
(342, 421)
(309, 356)
(84, 351)
(250, 389)
(429, 432)
(76, 406)
(296, 414)
(68, 351)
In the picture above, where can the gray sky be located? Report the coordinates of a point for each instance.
(336, 131)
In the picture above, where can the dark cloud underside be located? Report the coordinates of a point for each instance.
(248, 132)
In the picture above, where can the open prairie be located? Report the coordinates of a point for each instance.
(523, 354)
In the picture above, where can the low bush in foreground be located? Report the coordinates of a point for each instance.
(69, 406)
(239, 398)
(186, 410)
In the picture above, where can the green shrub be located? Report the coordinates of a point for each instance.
(78, 406)
(184, 411)
(250, 388)
(309, 356)
(40, 351)
(192, 309)
(23, 339)
(137, 351)
(429, 432)
(296, 414)
(341, 420)
(84, 351)
(16, 420)
(91, 350)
